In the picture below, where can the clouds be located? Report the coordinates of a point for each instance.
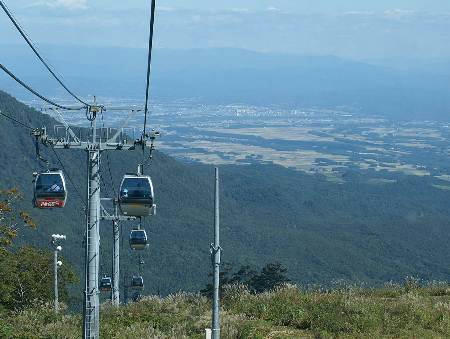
(72, 4)
(399, 14)
(355, 33)
(359, 13)
(65, 4)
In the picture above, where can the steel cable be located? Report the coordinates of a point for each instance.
(28, 41)
(16, 121)
(68, 177)
(149, 62)
(7, 71)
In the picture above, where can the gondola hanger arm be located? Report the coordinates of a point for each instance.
(124, 125)
(66, 125)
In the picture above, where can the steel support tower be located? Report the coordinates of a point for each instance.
(94, 149)
(115, 218)
(91, 292)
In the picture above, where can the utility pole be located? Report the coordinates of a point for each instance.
(55, 279)
(215, 256)
(116, 218)
(115, 293)
(56, 263)
(125, 288)
(94, 148)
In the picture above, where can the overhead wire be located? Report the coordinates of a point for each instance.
(7, 71)
(16, 121)
(149, 62)
(100, 173)
(28, 41)
(147, 94)
(68, 177)
(56, 154)
(109, 164)
(110, 175)
(103, 183)
(38, 156)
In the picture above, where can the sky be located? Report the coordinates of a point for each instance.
(357, 29)
(306, 6)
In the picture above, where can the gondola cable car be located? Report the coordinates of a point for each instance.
(137, 282)
(50, 189)
(137, 296)
(136, 196)
(106, 284)
(138, 239)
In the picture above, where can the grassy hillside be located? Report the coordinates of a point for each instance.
(407, 311)
(319, 230)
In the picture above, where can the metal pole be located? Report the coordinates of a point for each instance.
(216, 253)
(115, 259)
(115, 264)
(55, 239)
(91, 304)
(125, 287)
(55, 273)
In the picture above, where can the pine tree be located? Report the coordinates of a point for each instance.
(271, 276)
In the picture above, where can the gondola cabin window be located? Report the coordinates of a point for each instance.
(135, 188)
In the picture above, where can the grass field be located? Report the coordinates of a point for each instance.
(394, 311)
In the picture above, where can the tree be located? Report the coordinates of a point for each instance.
(26, 273)
(272, 275)
(10, 219)
(243, 276)
(224, 279)
(26, 277)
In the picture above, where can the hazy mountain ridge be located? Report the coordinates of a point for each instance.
(234, 75)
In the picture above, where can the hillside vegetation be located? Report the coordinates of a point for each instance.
(406, 311)
(320, 231)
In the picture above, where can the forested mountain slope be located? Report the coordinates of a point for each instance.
(320, 230)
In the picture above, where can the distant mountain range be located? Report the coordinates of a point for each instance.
(358, 231)
(417, 90)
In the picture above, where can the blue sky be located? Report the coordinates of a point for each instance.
(358, 29)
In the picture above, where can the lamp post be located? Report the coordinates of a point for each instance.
(215, 256)
(56, 248)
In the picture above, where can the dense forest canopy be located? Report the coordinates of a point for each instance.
(320, 231)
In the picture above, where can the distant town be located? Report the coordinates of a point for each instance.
(313, 140)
